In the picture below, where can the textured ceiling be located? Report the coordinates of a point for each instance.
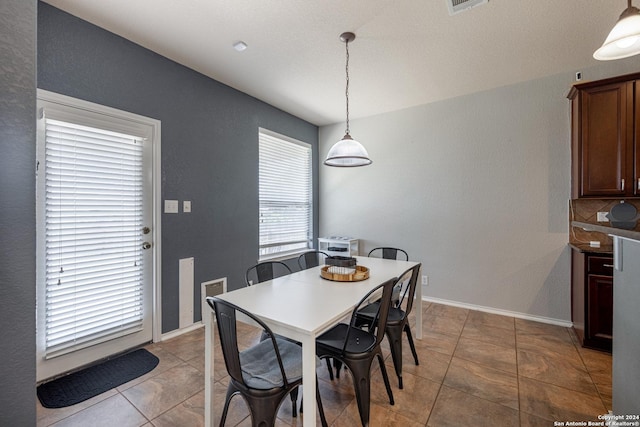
(406, 52)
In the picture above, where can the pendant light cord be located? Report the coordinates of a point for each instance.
(346, 92)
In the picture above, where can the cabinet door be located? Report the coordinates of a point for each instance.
(607, 125)
(600, 307)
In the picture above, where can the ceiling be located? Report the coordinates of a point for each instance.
(406, 52)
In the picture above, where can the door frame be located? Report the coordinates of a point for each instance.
(156, 194)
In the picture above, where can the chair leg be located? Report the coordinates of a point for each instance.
(323, 419)
(329, 368)
(264, 411)
(231, 391)
(337, 366)
(294, 402)
(385, 377)
(360, 370)
(394, 336)
(407, 329)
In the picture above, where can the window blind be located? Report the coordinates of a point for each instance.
(93, 222)
(285, 193)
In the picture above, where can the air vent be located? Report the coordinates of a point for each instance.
(457, 6)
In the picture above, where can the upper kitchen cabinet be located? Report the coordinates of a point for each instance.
(605, 125)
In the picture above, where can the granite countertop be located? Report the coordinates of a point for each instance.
(619, 232)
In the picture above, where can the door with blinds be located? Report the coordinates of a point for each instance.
(95, 278)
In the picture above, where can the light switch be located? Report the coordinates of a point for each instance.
(186, 206)
(170, 206)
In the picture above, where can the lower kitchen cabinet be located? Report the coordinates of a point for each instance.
(592, 298)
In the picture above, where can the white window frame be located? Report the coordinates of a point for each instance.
(301, 244)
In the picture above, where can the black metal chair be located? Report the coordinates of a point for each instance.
(357, 348)
(398, 319)
(263, 374)
(267, 270)
(311, 259)
(389, 253)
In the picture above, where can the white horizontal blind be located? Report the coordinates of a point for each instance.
(93, 223)
(285, 195)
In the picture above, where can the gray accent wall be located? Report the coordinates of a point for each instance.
(17, 212)
(475, 187)
(209, 143)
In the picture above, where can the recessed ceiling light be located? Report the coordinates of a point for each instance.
(240, 46)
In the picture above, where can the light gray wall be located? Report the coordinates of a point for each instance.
(209, 143)
(475, 187)
(17, 212)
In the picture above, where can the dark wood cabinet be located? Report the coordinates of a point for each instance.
(605, 127)
(592, 299)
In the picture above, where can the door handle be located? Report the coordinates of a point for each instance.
(622, 185)
(146, 245)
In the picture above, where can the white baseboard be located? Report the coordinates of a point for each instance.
(542, 319)
(178, 332)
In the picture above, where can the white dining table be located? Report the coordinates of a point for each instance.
(301, 306)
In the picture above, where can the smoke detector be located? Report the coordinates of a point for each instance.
(457, 6)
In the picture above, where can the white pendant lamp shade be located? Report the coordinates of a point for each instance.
(347, 153)
(624, 39)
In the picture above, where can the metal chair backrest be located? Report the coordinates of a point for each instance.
(226, 320)
(380, 319)
(311, 259)
(264, 271)
(410, 290)
(389, 253)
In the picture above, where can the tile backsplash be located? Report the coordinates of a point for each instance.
(586, 210)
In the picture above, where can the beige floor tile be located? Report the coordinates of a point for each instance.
(166, 361)
(442, 325)
(414, 401)
(48, 416)
(164, 391)
(454, 408)
(188, 413)
(484, 382)
(442, 343)
(490, 319)
(487, 354)
(532, 327)
(555, 370)
(556, 403)
(379, 416)
(460, 314)
(113, 411)
(489, 334)
(185, 347)
(550, 345)
(529, 420)
(433, 365)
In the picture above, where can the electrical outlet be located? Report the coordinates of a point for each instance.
(602, 217)
(425, 280)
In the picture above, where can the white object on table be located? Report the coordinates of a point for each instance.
(301, 306)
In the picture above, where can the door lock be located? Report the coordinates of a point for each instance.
(146, 230)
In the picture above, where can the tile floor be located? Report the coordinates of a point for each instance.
(476, 369)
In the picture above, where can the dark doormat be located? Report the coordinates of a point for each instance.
(87, 383)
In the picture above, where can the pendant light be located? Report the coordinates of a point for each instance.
(624, 39)
(347, 152)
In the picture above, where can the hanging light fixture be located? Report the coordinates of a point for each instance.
(347, 152)
(624, 39)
